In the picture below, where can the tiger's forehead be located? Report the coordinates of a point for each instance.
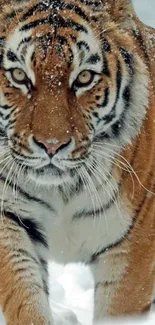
(68, 36)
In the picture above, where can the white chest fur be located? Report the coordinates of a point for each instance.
(74, 233)
(75, 236)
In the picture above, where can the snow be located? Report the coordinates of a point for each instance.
(146, 11)
(71, 288)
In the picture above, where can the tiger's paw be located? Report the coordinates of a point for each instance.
(30, 316)
(65, 317)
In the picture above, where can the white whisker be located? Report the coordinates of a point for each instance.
(131, 169)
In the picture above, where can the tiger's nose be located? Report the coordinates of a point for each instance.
(51, 146)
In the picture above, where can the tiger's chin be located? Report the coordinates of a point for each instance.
(48, 176)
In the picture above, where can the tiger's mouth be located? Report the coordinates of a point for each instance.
(50, 174)
(48, 170)
(55, 170)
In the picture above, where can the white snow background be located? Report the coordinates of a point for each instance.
(71, 287)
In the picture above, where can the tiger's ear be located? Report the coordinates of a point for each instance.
(121, 12)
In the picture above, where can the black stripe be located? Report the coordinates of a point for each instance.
(39, 7)
(109, 117)
(46, 289)
(106, 46)
(118, 80)
(34, 199)
(96, 115)
(102, 136)
(106, 98)
(56, 4)
(12, 56)
(96, 213)
(5, 107)
(32, 228)
(118, 126)
(95, 256)
(5, 117)
(90, 3)
(127, 95)
(1, 58)
(62, 40)
(93, 59)
(82, 44)
(105, 283)
(78, 11)
(29, 197)
(124, 237)
(24, 41)
(26, 254)
(11, 122)
(17, 155)
(2, 41)
(106, 70)
(3, 135)
(137, 34)
(44, 264)
(34, 24)
(57, 21)
(127, 57)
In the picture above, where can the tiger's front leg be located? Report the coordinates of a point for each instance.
(124, 282)
(23, 296)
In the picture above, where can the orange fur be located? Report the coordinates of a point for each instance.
(18, 298)
(134, 293)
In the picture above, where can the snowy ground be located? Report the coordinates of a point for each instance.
(72, 286)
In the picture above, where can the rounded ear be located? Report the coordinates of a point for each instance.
(120, 9)
(121, 12)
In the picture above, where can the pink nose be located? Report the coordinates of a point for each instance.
(51, 146)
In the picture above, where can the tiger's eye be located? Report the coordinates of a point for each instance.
(85, 77)
(18, 76)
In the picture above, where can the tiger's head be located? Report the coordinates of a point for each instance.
(73, 90)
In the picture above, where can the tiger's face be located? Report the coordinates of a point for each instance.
(66, 87)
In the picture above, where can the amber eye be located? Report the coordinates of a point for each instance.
(85, 78)
(19, 76)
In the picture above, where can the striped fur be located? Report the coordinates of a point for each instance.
(77, 159)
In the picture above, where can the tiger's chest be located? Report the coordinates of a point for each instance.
(75, 229)
(84, 226)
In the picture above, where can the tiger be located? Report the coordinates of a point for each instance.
(77, 154)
